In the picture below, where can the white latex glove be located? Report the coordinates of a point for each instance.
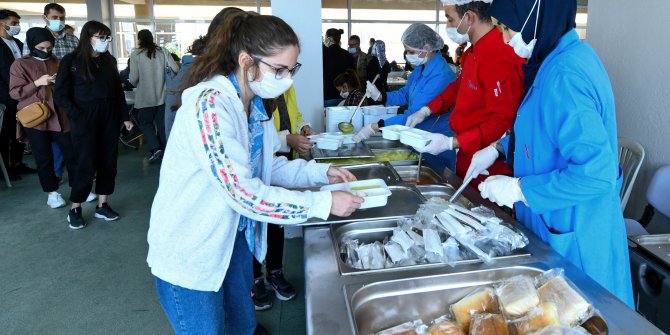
(418, 117)
(481, 160)
(437, 145)
(502, 190)
(364, 133)
(372, 91)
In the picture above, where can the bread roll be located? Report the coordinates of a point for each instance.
(540, 317)
(488, 324)
(572, 306)
(517, 296)
(445, 328)
(481, 301)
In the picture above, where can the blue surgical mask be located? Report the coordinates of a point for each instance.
(13, 30)
(56, 25)
(352, 50)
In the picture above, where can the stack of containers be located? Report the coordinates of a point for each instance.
(375, 113)
(335, 115)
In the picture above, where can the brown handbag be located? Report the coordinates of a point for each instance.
(37, 112)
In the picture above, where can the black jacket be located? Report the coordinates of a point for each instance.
(335, 62)
(373, 69)
(6, 60)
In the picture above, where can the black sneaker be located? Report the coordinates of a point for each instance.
(156, 155)
(75, 219)
(260, 330)
(106, 212)
(259, 293)
(282, 288)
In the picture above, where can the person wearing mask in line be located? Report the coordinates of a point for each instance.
(371, 42)
(220, 175)
(361, 59)
(31, 80)
(335, 61)
(10, 49)
(148, 66)
(89, 88)
(174, 85)
(378, 65)
(408, 66)
(486, 94)
(431, 76)
(293, 132)
(350, 88)
(565, 165)
(68, 29)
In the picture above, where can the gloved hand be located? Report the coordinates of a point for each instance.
(503, 190)
(364, 133)
(437, 145)
(373, 91)
(418, 117)
(481, 160)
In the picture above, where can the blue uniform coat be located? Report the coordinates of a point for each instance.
(566, 156)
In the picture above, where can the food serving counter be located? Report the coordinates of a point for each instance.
(341, 300)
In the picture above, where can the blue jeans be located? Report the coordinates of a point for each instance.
(228, 311)
(58, 159)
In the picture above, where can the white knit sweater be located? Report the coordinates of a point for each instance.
(206, 184)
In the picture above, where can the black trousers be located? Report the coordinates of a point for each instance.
(95, 137)
(275, 254)
(152, 123)
(10, 149)
(40, 142)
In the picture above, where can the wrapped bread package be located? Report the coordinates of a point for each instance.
(488, 324)
(545, 315)
(517, 296)
(407, 328)
(573, 308)
(482, 300)
(444, 326)
(561, 331)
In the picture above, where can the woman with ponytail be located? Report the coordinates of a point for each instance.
(221, 183)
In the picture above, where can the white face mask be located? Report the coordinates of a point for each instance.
(415, 60)
(100, 46)
(457, 37)
(344, 95)
(522, 49)
(56, 25)
(270, 87)
(13, 30)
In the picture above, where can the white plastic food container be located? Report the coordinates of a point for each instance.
(328, 142)
(374, 191)
(414, 137)
(392, 133)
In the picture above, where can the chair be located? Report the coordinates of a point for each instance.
(658, 197)
(631, 155)
(2, 162)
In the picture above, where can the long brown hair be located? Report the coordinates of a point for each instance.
(349, 77)
(258, 35)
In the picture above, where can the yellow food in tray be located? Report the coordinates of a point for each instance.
(363, 188)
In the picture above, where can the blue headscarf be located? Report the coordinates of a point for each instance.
(380, 51)
(556, 18)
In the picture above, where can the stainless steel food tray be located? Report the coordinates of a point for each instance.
(378, 230)
(376, 143)
(428, 176)
(445, 192)
(381, 305)
(381, 170)
(356, 150)
(404, 201)
(657, 246)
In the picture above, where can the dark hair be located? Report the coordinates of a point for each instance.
(175, 57)
(218, 20)
(198, 46)
(258, 35)
(84, 50)
(349, 77)
(355, 38)
(6, 13)
(146, 42)
(480, 8)
(55, 7)
(372, 40)
(335, 34)
(67, 26)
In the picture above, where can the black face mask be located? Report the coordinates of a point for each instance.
(40, 54)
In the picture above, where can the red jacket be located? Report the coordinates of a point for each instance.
(485, 98)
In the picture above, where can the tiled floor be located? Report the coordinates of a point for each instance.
(96, 280)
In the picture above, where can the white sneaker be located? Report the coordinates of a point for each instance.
(91, 197)
(55, 200)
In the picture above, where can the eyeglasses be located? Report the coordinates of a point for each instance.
(103, 38)
(281, 72)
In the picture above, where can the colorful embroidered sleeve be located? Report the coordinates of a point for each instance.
(228, 161)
